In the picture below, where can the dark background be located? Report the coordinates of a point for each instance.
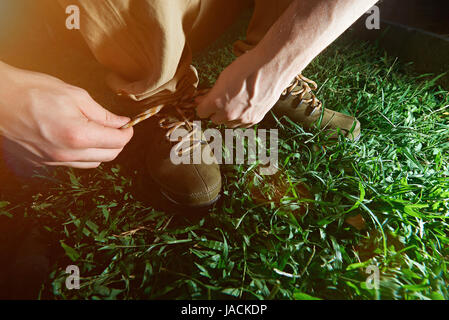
(430, 15)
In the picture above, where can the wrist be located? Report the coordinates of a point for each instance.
(278, 63)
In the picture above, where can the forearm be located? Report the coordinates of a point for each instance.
(305, 30)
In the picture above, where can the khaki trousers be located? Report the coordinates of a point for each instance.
(147, 44)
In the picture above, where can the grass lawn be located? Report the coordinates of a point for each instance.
(310, 231)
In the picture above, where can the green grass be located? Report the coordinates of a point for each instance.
(285, 236)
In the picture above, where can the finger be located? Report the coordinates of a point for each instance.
(242, 125)
(206, 109)
(221, 118)
(200, 99)
(87, 155)
(77, 165)
(234, 124)
(95, 112)
(94, 135)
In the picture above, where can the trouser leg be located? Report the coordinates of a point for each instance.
(143, 43)
(214, 18)
(266, 13)
(146, 43)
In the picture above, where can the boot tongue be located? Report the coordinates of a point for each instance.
(170, 118)
(296, 102)
(179, 133)
(301, 89)
(311, 108)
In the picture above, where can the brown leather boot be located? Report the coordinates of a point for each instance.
(196, 184)
(300, 105)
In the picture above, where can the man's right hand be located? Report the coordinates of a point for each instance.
(59, 124)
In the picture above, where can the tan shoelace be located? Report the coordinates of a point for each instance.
(306, 86)
(184, 106)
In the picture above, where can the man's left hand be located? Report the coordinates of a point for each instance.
(244, 93)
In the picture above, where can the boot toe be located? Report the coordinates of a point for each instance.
(191, 185)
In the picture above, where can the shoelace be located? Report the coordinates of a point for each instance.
(186, 105)
(306, 86)
(185, 109)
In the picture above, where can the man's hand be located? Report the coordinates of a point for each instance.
(58, 124)
(244, 93)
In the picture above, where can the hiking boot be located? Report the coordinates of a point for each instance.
(300, 105)
(192, 183)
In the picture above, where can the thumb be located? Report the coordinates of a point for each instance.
(205, 109)
(199, 99)
(95, 112)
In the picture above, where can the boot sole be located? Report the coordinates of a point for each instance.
(176, 203)
(191, 206)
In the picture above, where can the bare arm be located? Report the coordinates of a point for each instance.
(250, 86)
(305, 30)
